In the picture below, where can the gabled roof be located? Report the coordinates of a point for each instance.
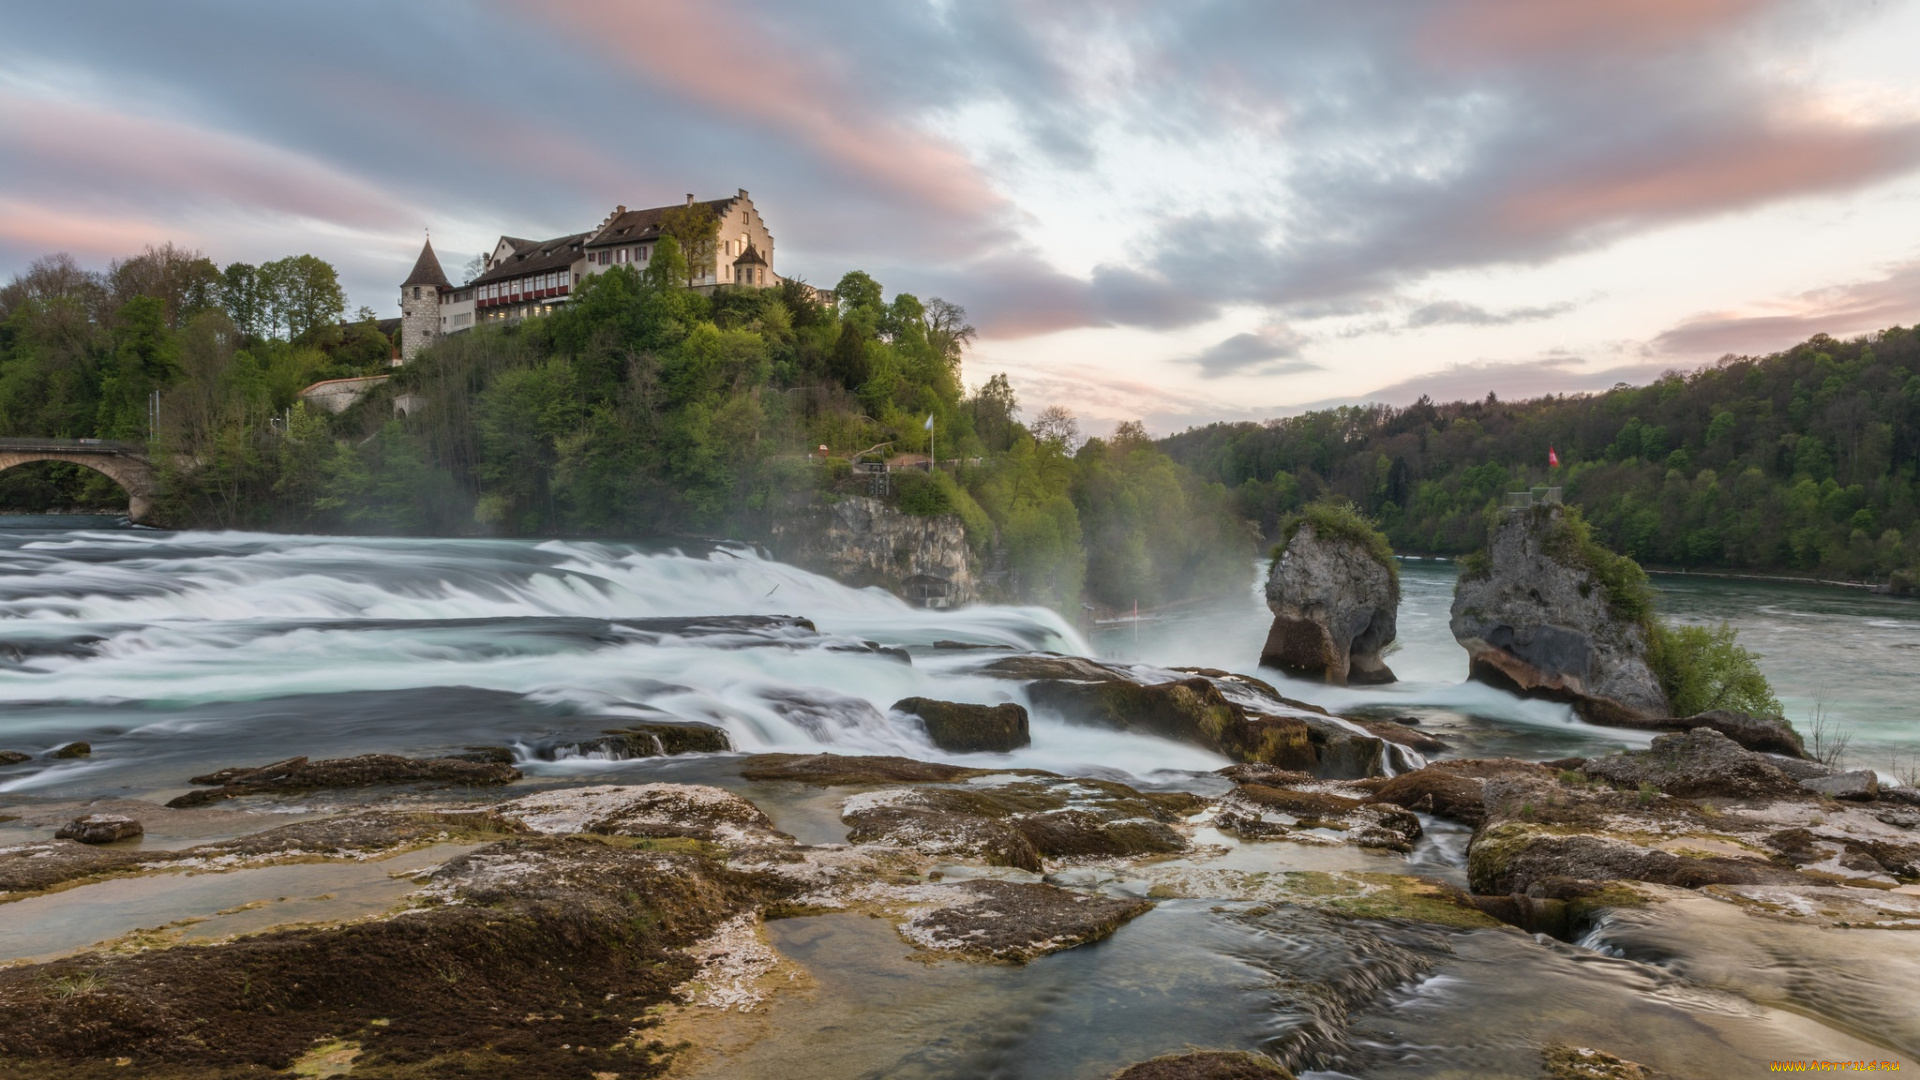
(750, 257)
(636, 226)
(426, 270)
(534, 257)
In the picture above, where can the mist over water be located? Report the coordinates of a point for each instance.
(168, 651)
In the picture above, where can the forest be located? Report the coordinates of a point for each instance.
(642, 408)
(1805, 461)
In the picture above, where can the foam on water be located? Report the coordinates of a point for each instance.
(165, 638)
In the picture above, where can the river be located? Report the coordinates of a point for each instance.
(176, 653)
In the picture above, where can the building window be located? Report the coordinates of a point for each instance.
(416, 292)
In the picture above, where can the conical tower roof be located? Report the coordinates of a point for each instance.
(426, 270)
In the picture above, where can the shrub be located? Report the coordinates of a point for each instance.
(1570, 540)
(923, 493)
(1706, 667)
(1335, 518)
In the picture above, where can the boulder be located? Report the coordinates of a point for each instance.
(1263, 812)
(695, 811)
(1536, 618)
(367, 770)
(1694, 764)
(1206, 1065)
(13, 757)
(1023, 822)
(1334, 606)
(1400, 734)
(646, 740)
(962, 728)
(1188, 710)
(1015, 922)
(1766, 734)
(73, 750)
(1861, 785)
(100, 829)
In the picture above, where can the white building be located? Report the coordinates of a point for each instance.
(524, 278)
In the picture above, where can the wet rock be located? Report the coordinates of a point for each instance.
(1207, 1065)
(367, 770)
(1861, 785)
(648, 740)
(581, 935)
(485, 755)
(695, 811)
(1017, 922)
(1693, 764)
(1764, 734)
(356, 835)
(1021, 823)
(962, 728)
(1900, 818)
(100, 829)
(1454, 790)
(13, 757)
(47, 864)
(1401, 735)
(1260, 812)
(1516, 857)
(828, 770)
(72, 750)
(1586, 1063)
(1538, 621)
(1335, 606)
(1189, 710)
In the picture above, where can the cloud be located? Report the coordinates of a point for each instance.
(1509, 380)
(1838, 311)
(1460, 313)
(1272, 350)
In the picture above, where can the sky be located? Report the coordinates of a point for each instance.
(1178, 212)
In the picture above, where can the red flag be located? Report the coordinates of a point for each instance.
(1553, 459)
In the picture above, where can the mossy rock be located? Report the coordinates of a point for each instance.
(965, 728)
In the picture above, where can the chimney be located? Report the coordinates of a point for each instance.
(743, 193)
(689, 198)
(619, 209)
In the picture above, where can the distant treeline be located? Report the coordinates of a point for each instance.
(1805, 460)
(642, 408)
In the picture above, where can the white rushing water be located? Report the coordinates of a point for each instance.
(171, 651)
(251, 647)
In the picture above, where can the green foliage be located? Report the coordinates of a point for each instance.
(1705, 667)
(641, 407)
(1570, 540)
(1334, 518)
(1756, 463)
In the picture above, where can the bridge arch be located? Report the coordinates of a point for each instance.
(123, 463)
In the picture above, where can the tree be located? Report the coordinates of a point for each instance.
(697, 231)
(307, 293)
(1058, 427)
(243, 296)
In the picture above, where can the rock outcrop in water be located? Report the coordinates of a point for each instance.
(1206, 1065)
(100, 829)
(1240, 717)
(862, 541)
(367, 770)
(963, 728)
(1535, 616)
(1335, 607)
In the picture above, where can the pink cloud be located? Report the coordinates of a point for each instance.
(36, 227)
(1480, 30)
(1738, 171)
(153, 160)
(702, 52)
(1838, 311)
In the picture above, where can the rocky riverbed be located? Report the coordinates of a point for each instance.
(627, 929)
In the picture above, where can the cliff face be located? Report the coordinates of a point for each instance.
(864, 541)
(1334, 608)
(1539, 621)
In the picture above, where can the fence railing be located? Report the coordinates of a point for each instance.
(98, 446)
(1539, 496)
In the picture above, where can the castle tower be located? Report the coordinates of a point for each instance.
(420, 303)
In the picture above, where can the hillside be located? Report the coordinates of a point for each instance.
(1802, 461)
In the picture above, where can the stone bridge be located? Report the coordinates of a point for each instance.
(125, 464)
